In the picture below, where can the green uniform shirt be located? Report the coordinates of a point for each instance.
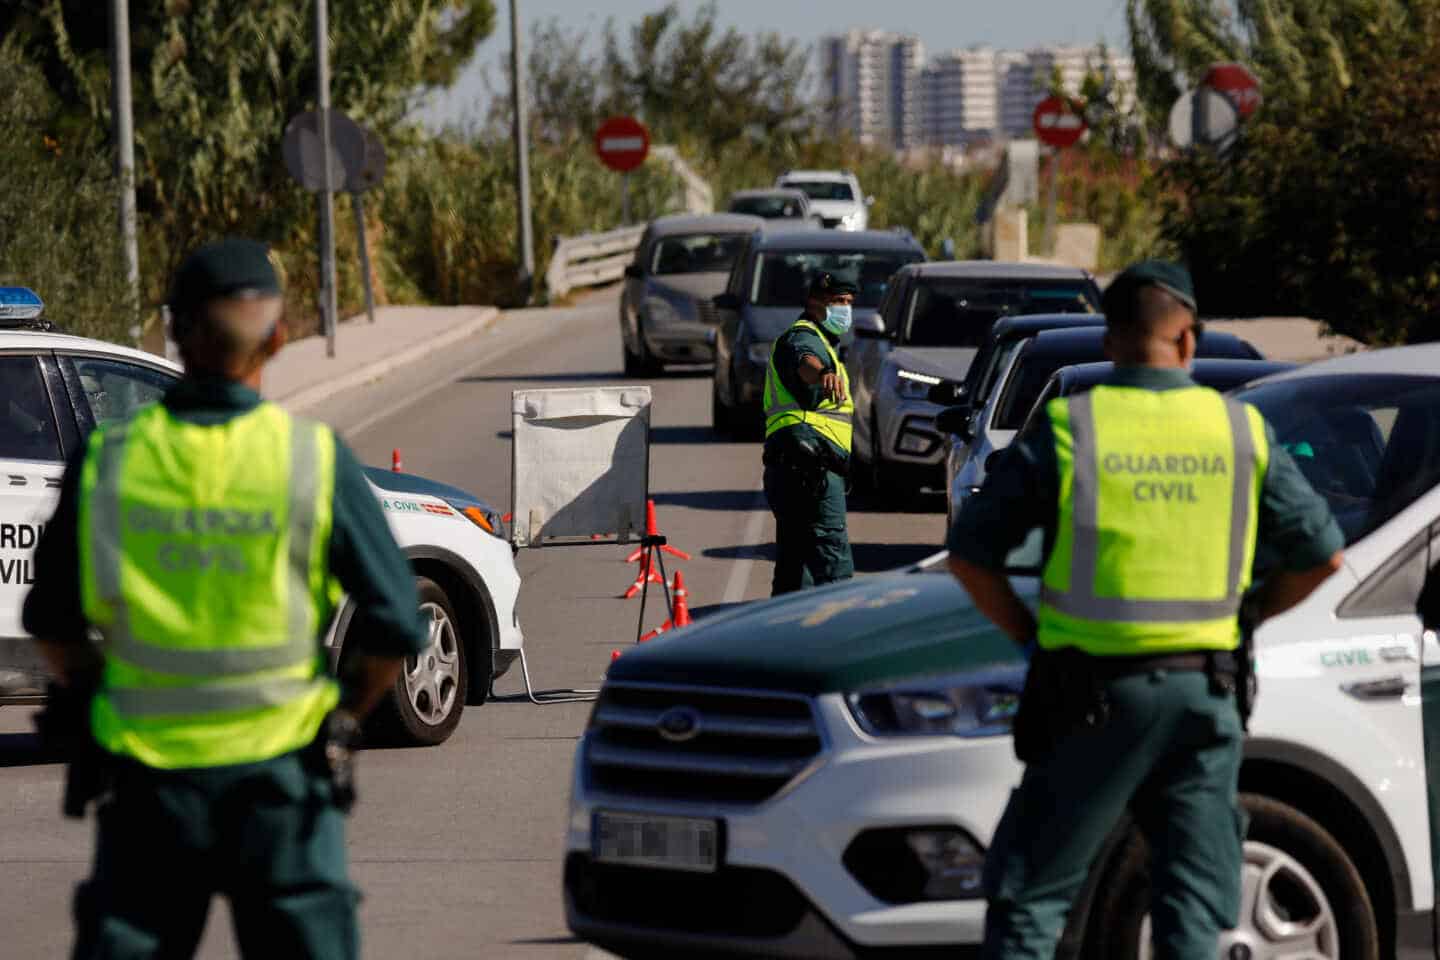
(363, 554)
(793, 347)
(1296, 529)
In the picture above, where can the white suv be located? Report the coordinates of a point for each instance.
(834, 195)
(55, 388)
(820, 774)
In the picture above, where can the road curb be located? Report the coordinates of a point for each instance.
(301, 400)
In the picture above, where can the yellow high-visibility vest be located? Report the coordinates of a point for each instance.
(834, 421)
(203, 552)
(1159, 506)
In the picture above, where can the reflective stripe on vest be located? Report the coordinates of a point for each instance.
(833, 421)
(1085, 599)
(204, 567)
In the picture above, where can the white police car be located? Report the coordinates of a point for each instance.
(821, 774)
(55, 388)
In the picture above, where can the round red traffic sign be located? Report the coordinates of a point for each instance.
(1237, 83)
(1059, 122)
(622, 143)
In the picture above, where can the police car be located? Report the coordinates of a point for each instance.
(820, 774)
(55, 388)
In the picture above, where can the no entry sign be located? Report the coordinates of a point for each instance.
(1236, 82)
(1059, 123)
(622, 143)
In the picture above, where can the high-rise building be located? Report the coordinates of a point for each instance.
(880, 89)
(870, 80)
(960, 98)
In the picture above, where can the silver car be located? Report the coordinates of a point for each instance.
(665, 312)
(933, 320)
(776, 205)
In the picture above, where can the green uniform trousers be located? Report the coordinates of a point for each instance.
(1170, 753)
(812, 546)
(266, 835)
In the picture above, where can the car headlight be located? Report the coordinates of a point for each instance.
(851, 220)
(487, 520)
(660, 312)
(911, 385)
(979, 703)
(759, 353)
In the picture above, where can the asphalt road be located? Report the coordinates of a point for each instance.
(458, 848)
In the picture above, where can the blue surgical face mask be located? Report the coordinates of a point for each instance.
(837, 319)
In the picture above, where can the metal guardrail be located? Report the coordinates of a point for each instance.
(590, 259)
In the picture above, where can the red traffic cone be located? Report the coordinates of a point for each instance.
(614, 655)
(396, 464)
(680, 617)
(647, 574)
(652, 529)
(656, 632)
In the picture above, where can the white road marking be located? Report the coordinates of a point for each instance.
(739, 580)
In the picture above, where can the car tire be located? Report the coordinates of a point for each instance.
(1305, 872)
(423, 707)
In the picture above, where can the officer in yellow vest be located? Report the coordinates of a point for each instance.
(1152, 493)
(808, 418)
(206, 540)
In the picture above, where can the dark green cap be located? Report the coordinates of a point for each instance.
(1170, 277)
(226, 268)
(829, 283)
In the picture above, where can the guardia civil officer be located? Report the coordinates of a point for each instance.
(1152, 493)
(205, 540)
(808, 419)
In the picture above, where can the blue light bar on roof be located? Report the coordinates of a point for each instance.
(20, 303)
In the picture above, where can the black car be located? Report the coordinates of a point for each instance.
(766, 293)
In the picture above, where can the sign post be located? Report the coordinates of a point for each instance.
(622, 143)
(1059, 124)
(357, 182)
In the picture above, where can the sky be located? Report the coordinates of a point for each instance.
(940, 24)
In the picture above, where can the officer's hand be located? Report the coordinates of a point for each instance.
(833, 386)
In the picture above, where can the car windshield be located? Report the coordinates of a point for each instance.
(697, 253)
(960, 312)
(1368, 443)
(782, 279)
(823, 189)
(769, 207)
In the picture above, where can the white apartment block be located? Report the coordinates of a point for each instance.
(872, 81)
(884, 93)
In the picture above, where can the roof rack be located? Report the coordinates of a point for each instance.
(22, 308)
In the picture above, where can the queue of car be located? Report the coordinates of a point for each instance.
(56, 388)
(821, 774)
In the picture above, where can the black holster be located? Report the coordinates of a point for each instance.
(63, 727)
(331, 756)
(800, 452)
(1064, 691)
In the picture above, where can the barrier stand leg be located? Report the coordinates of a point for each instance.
(654, 554)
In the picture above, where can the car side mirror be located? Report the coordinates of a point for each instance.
(992, 461)
(955, 420)
(949, 393)
(870, 201)
(633, 271)
(726, 301)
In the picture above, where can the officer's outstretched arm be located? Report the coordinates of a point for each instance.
(1286, 588)
(994, 597)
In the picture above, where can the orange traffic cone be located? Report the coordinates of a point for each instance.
(647, 574)
(680, 616)
(396, 464)
(652, 529)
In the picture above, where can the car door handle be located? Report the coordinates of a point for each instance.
(1385, 688)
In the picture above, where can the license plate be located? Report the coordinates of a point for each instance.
(647, 840)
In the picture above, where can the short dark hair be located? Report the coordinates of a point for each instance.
(1143, 311)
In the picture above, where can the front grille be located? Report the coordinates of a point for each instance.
(748, 745)
(706, 310)
(735, 901)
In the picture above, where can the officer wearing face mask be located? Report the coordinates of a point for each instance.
(808, 422)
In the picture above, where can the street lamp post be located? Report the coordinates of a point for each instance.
(327, 208)
(526, 238)
(124, 140)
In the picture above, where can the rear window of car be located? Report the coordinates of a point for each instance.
(783, 279)
(1368, 443)
(696, 253)
(771, 208)
(823, 189)
(960, 312)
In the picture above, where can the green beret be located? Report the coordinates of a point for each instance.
(1170, 277)
(829, 283)
(231, 267)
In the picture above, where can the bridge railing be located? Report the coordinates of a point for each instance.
(591, 259)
